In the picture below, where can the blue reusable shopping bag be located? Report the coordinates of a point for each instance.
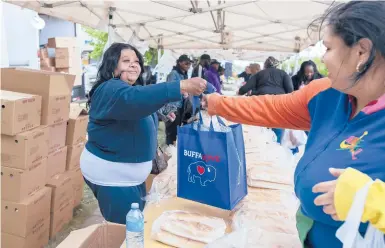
(211, 165)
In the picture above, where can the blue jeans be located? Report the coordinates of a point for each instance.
(115, 202)
(279, 133)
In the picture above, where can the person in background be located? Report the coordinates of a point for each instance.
(345, 114)
(307, 73)
(212, 75)
(221, 72)
(122, 130)
(246, 74)
(178, 72)
(202, 67)
(269, 81)
(254, 69)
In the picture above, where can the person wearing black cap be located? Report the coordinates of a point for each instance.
(212, 75)
(200, 69)
(179, 72)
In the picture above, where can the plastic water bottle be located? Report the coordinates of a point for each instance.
(135, 227)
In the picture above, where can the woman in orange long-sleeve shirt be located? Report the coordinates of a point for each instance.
(345, 114)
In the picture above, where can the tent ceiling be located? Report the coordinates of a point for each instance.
(270, 26)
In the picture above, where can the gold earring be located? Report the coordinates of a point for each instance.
(113, 76)
(358, 68)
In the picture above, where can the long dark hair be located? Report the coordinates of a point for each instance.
(110, 62)
(301, 73)
(356, 20)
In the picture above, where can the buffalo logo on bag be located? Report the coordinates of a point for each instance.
(199, 170)
(211, 166)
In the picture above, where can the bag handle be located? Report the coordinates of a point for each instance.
(220, 121)
(347, 233)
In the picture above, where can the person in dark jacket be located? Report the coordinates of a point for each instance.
(246, 74)
(122, 132)
(269, 81)
(202, 67)
(179, 72)
(307, 73)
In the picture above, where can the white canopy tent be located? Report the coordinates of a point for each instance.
(246, 30)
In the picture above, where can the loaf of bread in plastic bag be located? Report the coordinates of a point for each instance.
(256, 238)
(178, 228)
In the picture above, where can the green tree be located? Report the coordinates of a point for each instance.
(99, 40)
(151, 56)
(321, 66)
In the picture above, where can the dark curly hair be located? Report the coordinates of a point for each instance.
(110, 62)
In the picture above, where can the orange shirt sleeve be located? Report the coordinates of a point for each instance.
(275, 111)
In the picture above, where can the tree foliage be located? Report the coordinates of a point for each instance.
(151, 57)
(99, 40)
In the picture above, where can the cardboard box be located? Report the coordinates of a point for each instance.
(26, 217)
(68, 52)
(73, 156)
(54, 87)
(63, 62)
(23, 150)
(45, 68)
(60, 218)
(57, 136)
(62, 191)
(106, 235)
(77, 185)
(38, 239)
(47, 62)
(58, 42)
(56, 163)
(19, 112)
(43, 53)
(77, 125)
(17, 185)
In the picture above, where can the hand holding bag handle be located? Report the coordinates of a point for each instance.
(349, 234)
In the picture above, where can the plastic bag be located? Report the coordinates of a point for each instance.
(268, 217)
(349, 234)
(256, 238)
(262, 176)
(285, 199)
(185, 229)
(271, 153)
(293, 138)
(163, 187)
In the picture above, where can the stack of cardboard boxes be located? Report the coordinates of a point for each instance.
(37, 191)
(25, 202)
(62, 54)
(75, 141)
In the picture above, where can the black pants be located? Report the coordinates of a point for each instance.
(172, 128)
